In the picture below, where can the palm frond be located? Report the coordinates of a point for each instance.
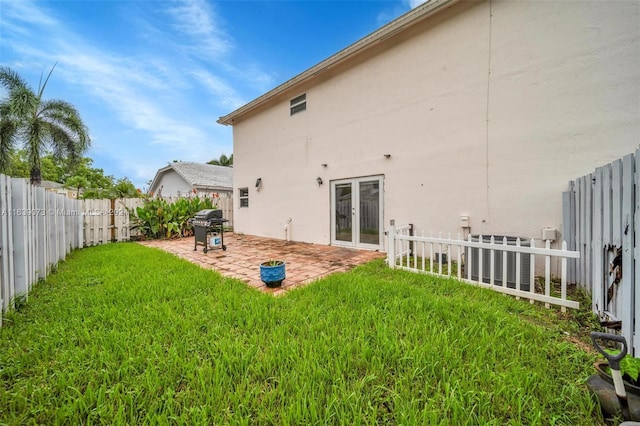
(10, 79)
(41, 86)
(42, 126)
(8, 130)
(63, 115)
(22, 102)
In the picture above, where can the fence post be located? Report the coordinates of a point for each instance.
(563, 277)
(391, 256)
(468, 259)
(547, 272)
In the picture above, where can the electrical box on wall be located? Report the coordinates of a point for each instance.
(549, 233)
(464, 222)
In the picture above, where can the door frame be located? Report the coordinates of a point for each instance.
(355, 208)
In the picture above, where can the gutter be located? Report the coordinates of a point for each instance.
(405, 21)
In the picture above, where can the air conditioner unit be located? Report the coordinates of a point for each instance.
(525, 263)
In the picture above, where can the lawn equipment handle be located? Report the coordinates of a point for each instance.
(614, 360)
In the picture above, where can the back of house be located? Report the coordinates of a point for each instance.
(458, 117)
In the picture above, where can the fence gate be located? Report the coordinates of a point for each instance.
(600, 213)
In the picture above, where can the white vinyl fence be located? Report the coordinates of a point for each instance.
(601, 214)
(37, 230)
(497, 263)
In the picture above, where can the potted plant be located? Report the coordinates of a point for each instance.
(272, 272)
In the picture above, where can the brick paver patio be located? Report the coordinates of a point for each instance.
(305, 262)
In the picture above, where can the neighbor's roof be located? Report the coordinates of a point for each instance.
(407, 20)
(199, 175)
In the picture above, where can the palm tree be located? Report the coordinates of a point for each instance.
(222, 161)
(40, 126)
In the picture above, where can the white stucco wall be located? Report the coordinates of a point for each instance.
(487, 110)
(172, 184)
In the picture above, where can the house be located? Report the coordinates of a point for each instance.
(181, 178)
(58, 188)
(459, 117)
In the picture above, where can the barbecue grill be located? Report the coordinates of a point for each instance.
(207, 228)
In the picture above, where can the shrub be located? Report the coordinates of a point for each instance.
(158, 219)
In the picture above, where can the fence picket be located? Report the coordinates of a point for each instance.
(532, 269)
(517, 265)
(504, 260)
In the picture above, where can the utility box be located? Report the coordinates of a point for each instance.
(549, 233)
(464, 222)
(510, 279)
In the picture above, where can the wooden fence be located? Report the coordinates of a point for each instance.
(37, 230)
(498, 264)
(108, 220)
(600, 217)
(224, 203)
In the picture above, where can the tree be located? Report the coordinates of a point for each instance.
(78, 182)
(53, 169)
(222, 161)
(123, 188)
(40, 126)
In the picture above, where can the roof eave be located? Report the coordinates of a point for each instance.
(408, 19)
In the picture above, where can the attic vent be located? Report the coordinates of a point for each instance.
(298, 104)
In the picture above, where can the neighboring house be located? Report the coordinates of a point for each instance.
(179, 179)
(58, 188)
(457, 117)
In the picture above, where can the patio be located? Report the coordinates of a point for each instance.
(305, 262)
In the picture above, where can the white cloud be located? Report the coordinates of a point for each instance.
(162, 103)
(216, 86)
(197, 20)
(24, 11)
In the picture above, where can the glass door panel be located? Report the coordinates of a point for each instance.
(369, 212)
(343, 212)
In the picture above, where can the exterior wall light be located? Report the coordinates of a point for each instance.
(387, 156)
(258, 183)
(319, 180)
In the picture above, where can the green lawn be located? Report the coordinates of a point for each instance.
(124, 334)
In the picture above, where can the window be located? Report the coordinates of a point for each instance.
(244, 197)
(298, 104)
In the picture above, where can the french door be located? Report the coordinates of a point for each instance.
(356, 212)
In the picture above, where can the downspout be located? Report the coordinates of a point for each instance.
(286, 229)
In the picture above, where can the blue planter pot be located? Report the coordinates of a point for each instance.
(272, 275)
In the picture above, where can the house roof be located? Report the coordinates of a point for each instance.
(51, 184)
(199, 175)
(405, 21)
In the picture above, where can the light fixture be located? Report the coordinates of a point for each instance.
(324, 164)
(258, 183)
(387, 156)
(319, 180)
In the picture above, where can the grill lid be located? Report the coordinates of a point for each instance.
(208, 214)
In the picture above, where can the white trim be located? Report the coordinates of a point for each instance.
(355, 209)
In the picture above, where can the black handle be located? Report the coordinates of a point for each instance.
(614, 360)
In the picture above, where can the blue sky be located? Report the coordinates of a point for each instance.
(150, 78)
